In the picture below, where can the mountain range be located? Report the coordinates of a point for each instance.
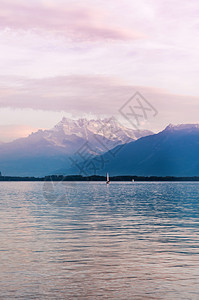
(172, 152)
(49, 151)
(90, 147)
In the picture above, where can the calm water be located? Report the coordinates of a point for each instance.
(90, 241)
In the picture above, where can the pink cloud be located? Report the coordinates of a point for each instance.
(12, 132)
(94, 95)
(72, 21)
(97, 96)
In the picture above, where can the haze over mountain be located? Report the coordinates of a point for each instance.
(172, 152)
(46, 151)
(114, 148)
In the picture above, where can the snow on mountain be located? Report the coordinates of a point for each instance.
(69, 132)
(180, 127)
(45, 151)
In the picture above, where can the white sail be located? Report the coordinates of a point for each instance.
(107, 179)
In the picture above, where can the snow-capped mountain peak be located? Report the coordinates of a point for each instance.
(180, 127)
(86, 129)
(45, 151)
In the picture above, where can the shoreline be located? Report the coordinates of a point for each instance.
(79, 178)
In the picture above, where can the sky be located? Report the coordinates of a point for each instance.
(87, 58)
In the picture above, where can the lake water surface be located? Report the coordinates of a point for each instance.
(92, 241)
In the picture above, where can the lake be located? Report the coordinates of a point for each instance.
(86, 240)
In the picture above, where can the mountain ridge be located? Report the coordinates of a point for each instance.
(171, 152)
(44, 151)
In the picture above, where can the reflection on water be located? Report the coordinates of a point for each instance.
(90, 241)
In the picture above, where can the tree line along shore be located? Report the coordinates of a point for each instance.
(98, 178)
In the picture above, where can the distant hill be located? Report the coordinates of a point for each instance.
(172, 152)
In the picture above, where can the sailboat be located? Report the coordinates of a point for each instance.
(107, 179)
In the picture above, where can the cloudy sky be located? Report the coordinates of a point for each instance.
(87, 58)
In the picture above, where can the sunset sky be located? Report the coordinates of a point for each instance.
(87, 58)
